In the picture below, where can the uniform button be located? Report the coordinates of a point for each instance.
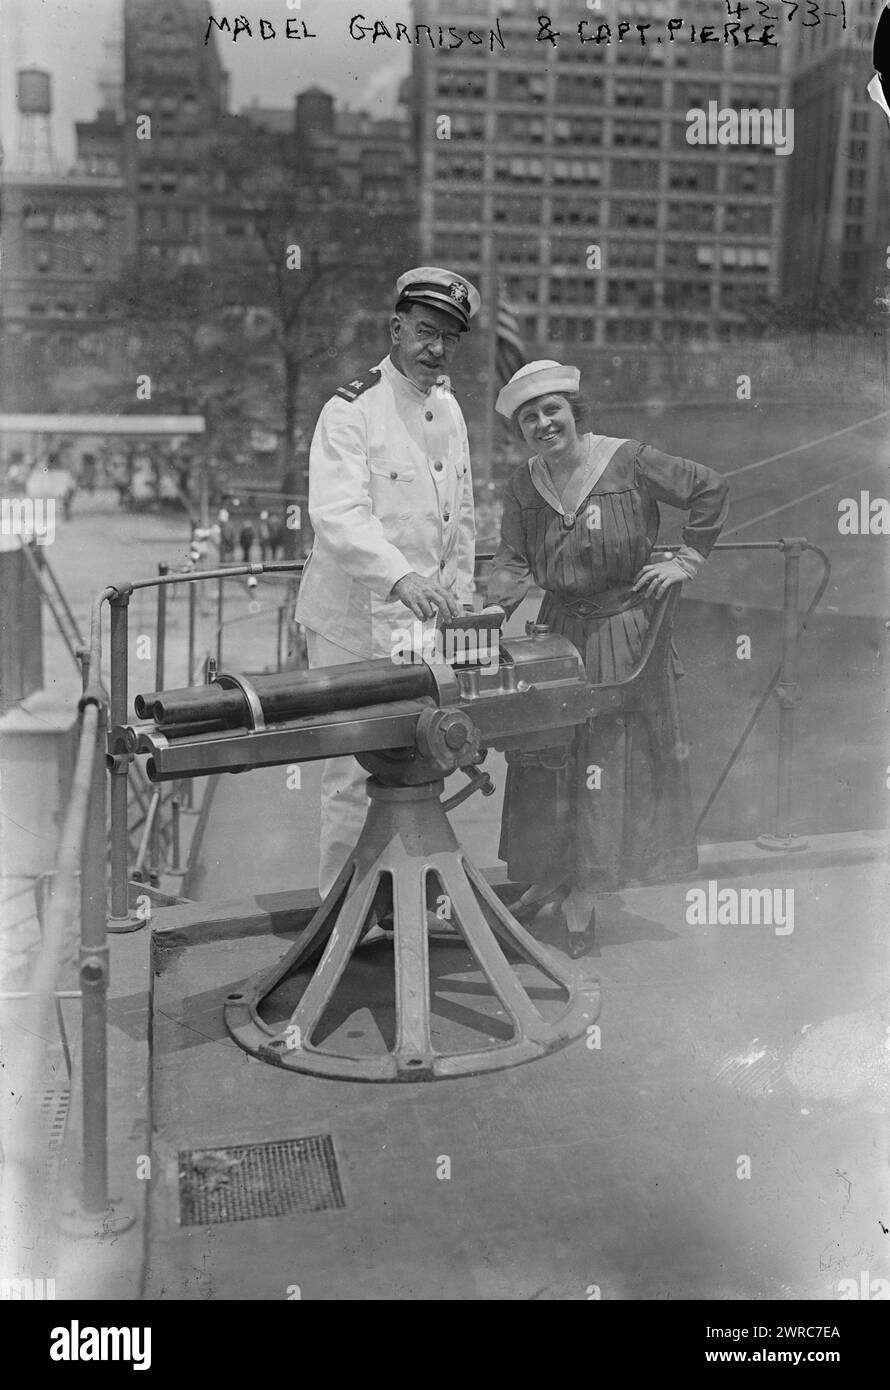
(429, 415)
(438, 467)
(394, 476)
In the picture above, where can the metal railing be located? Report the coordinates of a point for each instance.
(118, 598)
(83, 840)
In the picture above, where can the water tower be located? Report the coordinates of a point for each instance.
(34, 100)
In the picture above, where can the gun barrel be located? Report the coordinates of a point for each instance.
(289, 695)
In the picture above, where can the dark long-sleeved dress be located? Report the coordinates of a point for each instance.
(633, 821)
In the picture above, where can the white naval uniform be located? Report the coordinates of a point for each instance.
(390, 492)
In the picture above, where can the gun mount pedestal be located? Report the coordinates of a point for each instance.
(410, 726)
(406, 841)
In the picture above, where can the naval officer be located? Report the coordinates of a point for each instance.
(391, 504)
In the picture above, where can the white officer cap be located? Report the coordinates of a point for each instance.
(441, 289)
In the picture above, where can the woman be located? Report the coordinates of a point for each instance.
(580, 519)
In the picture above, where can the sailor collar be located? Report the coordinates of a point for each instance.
(601, 449)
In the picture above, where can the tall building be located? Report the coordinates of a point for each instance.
(370, 159)
(100, 145)
(549, 151)
(63, 240)
(176, 81)
(839, 187)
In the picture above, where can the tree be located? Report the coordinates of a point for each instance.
(319, 266)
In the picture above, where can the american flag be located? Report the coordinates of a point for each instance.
(510, 352)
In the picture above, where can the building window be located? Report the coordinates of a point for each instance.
(456, 207)
(454, 164)
(695, 177)
(519, 250)
(690, 217)
(744, 258)
(518, 169)
(639, 255)
(747, 219)
(523, 289)
(755, 177)
(632, 215)
(459, 84)
(577, 131)
(681, 255)
(687, 294)
(569, 213)
(636, 134)
(521, 86)
(634, 173)
(468, 127)
(572, 290)
(520, 129)
(463, 248)
(577, 90)
(856, 151)
(513, 210)
(630, 294)
(577, 171)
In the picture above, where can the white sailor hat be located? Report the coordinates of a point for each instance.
(441, 289)
(533, 380)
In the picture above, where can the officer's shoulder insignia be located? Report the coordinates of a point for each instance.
(353, 389)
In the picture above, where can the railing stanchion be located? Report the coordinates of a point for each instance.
(788, 695)
(95, 1214)
(193, 601)
(174, 834)
(161, 629)
(94, 962)
(120, 918)
(220, 603)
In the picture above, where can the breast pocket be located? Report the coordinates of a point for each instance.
(392, 490)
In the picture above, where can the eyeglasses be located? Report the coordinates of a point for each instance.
(429, 335)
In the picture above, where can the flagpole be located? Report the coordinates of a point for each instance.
(491, 295)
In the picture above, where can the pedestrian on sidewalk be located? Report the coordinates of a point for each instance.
(246, 539)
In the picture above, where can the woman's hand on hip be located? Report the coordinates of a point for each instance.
(657, 578)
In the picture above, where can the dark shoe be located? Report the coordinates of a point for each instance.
(527, 912)
(580, 943)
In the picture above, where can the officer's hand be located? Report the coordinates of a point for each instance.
(425, 596)
(658, 577)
